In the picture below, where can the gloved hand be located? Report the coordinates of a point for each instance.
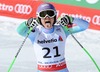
(32, 22)
(65, 20)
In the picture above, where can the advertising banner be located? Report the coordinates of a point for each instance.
(18, 8)
(90, 15)
(24, 9)
(94, 4)
(86, 9)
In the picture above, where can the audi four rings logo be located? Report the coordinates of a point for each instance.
(23, 9)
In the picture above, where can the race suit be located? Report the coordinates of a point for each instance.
(49, 44)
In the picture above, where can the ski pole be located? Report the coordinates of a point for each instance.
(10, 67)
(84, 50)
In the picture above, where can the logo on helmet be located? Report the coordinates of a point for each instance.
(44, 5)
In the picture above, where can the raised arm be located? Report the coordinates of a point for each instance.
(74, 24)
(24, 27)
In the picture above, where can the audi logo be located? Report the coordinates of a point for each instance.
(96, 20)
(23, 9)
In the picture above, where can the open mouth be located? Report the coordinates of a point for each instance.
(47, 22)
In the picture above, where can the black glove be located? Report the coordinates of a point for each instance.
(65, 20)
(32, 22)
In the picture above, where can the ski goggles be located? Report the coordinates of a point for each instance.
(49, 13)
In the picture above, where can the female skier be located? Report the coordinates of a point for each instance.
(49, 37)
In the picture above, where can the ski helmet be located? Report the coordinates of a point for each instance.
(44, 7)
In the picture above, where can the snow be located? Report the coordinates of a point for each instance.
(77, 59)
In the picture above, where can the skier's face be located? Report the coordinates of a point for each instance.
(47, 18)
(47, 22)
